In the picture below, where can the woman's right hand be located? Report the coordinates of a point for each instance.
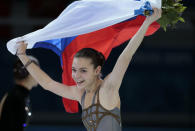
(21, 48)
(155, 16)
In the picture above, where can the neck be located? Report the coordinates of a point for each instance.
(94, 87)
(24, 84)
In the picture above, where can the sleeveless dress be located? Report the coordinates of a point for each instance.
(97, 118)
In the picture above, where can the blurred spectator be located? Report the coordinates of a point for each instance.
(15, 108)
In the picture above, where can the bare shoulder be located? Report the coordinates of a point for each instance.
(108, 95)
(78, 93)
(108, 85)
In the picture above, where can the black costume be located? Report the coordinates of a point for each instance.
(16, 110)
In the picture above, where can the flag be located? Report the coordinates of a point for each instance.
(98, 24)
(102, 40)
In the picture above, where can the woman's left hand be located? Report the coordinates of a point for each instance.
(21, 48)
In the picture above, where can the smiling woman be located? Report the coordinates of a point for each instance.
(98, 24)
(99, 98)
(86, 62)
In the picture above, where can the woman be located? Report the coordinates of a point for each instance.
(99, 98)
(15, 109)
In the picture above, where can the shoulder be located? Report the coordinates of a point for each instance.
(78, 93)
(108, 96)
(108, 85)
(14, 95)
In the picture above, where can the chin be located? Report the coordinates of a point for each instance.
(80, 86)
(83, 85)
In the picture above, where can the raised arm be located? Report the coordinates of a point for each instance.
(114, 80)
(44, 80)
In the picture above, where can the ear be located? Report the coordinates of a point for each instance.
(98, 70)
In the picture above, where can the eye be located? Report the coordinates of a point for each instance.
(73, 70)
(83, 71)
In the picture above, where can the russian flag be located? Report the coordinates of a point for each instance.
(97, 34)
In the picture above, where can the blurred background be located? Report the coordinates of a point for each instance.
(157, 93)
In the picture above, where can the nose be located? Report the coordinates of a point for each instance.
(77, 75)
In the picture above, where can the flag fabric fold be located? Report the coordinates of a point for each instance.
(98, 24)
(82, 17)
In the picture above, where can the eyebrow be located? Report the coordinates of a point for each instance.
(80, 68)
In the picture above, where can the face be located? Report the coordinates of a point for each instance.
(83, 72)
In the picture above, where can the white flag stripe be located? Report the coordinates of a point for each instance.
(82, 17)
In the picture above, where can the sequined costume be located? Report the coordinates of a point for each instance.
(97, 118)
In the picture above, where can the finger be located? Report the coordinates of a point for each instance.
(155, 9)
(159, 12)
(21, 42)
